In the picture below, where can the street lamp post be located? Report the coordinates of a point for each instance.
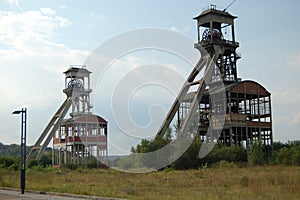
(23, 112)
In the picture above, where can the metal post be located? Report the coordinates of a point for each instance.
(23, 113)
(23, 149)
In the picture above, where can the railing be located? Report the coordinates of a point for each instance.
(217, 41)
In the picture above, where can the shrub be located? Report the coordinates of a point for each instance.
(288, 155)
(15, 167)
(32, 163)
(45, 160)
(7, 161)
(255, 153)
(92, 163)
(71, 166)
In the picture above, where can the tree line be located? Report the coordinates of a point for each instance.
(257, 154)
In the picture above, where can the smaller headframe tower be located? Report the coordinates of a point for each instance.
(83, 135)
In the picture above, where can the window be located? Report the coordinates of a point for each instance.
(81, 131)
(76, 131)
(69, 131)
(63, 132)
(101, 131)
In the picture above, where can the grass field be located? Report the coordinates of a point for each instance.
(226, 181)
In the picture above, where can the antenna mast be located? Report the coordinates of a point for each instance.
(229, 5)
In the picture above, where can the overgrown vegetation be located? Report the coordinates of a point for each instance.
(286, 154)
(9, 162)
(222, 181)
(12, 149)
(10, 159)
(226, 173)
(257, 154)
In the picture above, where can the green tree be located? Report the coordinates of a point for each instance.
(190, 159)
(255, 153)
(146, 146)
(295, 151)
(288, 155)
(46, 159)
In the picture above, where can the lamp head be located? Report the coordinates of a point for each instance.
(17, 112)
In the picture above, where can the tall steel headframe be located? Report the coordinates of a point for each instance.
(218, 62)
(244, 105)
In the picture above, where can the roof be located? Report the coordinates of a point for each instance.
(215, 12)
(88, 118)
(217, 16)
(250, 88)
(77, 70)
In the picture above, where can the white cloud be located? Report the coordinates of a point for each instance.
(63, 6)
(99, 17)
(27, 30)
(32, 62)
(286, 113)
(47, 11)
(136, 92)
(63, 22)
(13, 2)
(184, 30)
(133, 61)
(289, 96)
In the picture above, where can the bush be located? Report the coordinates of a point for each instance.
(190, 159)
(32, 163)
(46, 160)
(227, 153)
(289, 155)
(126, 162)
(71, 166)
(7, 161)
(255, 153)
(92, 163)
(15, 167)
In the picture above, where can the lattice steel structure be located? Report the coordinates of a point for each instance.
(245, 105)
(76, 139)
(83, 135)
(80, 138)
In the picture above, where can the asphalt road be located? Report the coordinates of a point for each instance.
(12, 194)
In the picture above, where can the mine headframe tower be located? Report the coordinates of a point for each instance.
(83, 135)
(245, 105)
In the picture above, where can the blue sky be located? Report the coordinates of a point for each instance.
(39, 39)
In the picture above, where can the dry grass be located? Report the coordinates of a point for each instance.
(225, 181)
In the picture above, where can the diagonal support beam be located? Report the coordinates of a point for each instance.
(50, 129)
(205, 62)
(198, 95)
(183, 92)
